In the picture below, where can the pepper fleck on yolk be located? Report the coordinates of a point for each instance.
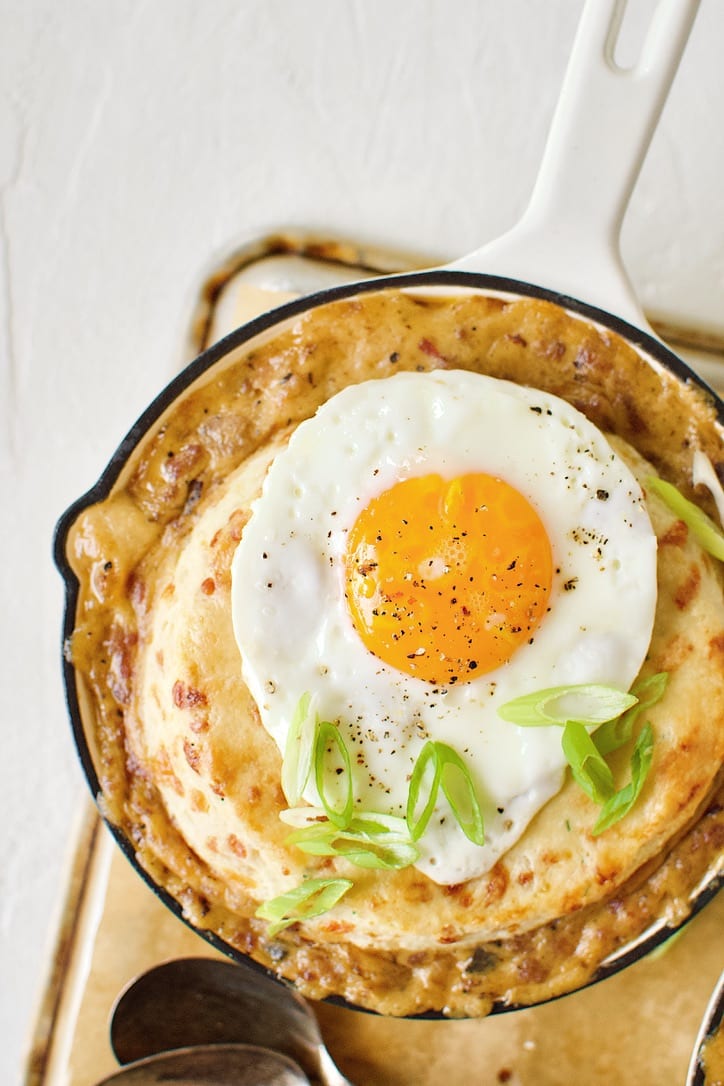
(445, 579)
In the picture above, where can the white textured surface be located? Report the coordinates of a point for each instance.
(139, 139)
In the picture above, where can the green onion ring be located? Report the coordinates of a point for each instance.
(328, 735)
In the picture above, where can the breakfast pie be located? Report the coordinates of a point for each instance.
(399, 646)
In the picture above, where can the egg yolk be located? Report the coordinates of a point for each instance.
(446, 579)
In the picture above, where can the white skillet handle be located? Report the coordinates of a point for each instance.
(568, 240)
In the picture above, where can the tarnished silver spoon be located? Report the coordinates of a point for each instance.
(211, 1065)
(203, 1001)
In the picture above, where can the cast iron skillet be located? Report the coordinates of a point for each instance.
(565, 250)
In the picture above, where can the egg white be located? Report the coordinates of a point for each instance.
(295, 633)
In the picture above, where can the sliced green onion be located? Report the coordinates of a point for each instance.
(300, 817)
(622, 801)
(337, 801)
(590, 703)
(315, 840)
(366, 824)
(365, 842)
(297, 760)
(391, 856)
(615, 714)
(424, 782)
(374, 822)
(459, 790)
(312, 898)
(439, 765)
(616, 733)
(701, 526)
(589, 768)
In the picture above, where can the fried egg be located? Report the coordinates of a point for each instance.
(427, 547)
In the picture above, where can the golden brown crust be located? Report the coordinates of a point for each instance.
(181, 746)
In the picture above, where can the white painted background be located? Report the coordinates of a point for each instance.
(141, 138)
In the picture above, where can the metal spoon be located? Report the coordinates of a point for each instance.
(211, 1065)
(202, 1001)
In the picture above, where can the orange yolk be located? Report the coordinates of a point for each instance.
(447, 578)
